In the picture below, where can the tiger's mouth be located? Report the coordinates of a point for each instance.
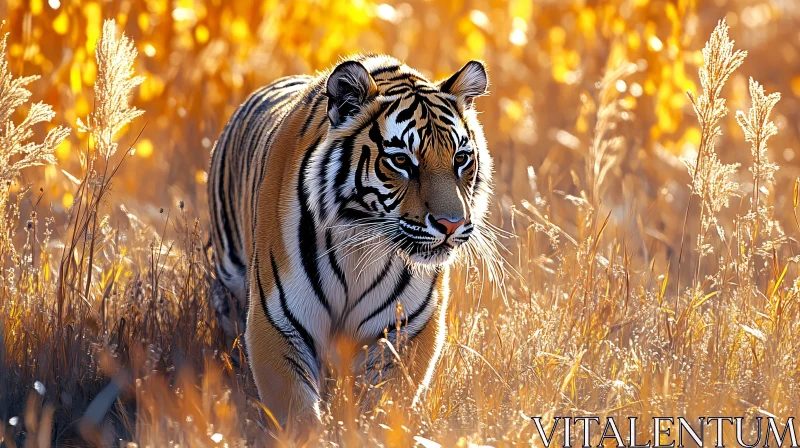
(413, 243)
(428, 254)
(417, 245)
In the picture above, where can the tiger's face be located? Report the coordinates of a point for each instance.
(424, 176)
(414, 171)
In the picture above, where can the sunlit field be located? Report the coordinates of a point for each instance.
(647, 166)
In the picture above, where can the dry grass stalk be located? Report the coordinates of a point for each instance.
(605, 150)
(17, 152)
(113, 90)
(759, 222)
(758, 129)
(710, 177)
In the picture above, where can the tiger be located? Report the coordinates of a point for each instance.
(338, 204)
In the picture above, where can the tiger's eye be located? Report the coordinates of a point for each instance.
(460, 158)
(400, 159)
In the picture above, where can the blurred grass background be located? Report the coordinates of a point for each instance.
(589, 322)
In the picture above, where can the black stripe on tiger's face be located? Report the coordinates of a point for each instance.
(409, 163)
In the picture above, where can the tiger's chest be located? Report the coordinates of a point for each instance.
(381, 292)
(358, 291)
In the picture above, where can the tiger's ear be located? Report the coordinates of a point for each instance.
(469, 82)
(349, 87)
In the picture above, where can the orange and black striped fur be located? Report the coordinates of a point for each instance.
(337, 203)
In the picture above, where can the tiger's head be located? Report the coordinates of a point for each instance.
(405, 166)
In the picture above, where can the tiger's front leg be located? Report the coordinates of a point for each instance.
(285, 366)
(285, 382)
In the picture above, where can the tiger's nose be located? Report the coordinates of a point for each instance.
(450, 226)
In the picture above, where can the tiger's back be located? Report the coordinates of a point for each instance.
(237, 167)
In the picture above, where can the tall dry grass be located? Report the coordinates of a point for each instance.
(107, 336)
